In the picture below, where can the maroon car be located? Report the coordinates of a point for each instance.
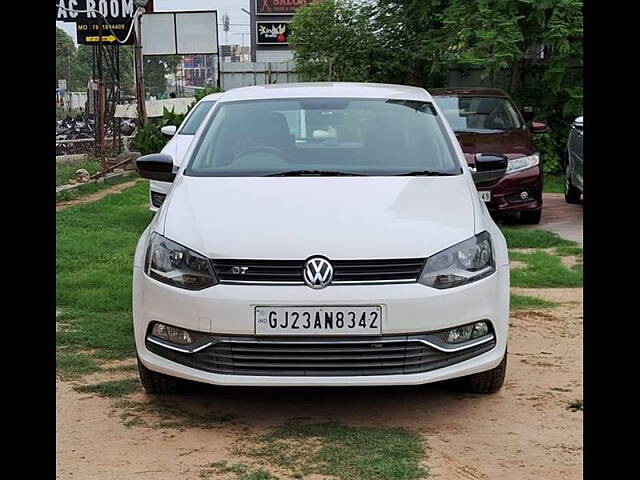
(486, 121)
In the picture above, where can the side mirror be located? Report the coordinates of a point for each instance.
(527, 113)
(169, 130)
(539, 127)
(489, 167)
(157, 166)
(577, 123)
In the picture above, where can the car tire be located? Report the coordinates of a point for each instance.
(486, 382)
(156, 383)
(571, 193)
(531, 218)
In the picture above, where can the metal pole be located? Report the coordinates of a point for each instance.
(219, 73)
(100, 124)
(142, 108)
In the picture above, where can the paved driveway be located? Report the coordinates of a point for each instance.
(558, 216)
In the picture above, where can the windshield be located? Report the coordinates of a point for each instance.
(323, 136)
(190, 126)
(479, 114)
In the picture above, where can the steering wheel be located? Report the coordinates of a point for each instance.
(263, 149)
(493, 121)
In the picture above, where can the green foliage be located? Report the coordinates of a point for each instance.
(553, 183)
(544, 270)
(94, 252)
(65, 56)
(111, 388)
(333, 41)
(66, 171)
(533, 238)
(76, 64)
(345, 452)
(416, 42)
(149, 139)
(526, 302)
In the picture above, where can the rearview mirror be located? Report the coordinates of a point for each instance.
(157, 166)
(577, 123)
(169, 130)
(527, 113)
(489, 167)
(539, 127)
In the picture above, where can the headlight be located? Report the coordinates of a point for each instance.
(171, 263)
(463, 263)
(522, 163)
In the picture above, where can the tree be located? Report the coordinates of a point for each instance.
(65, 57)
(417, 42)
(333, 41)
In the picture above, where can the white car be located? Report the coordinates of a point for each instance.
(178, 145)
(322, 234)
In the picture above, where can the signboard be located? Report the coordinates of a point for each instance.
(272, 33)
(180, 33)
(280, 7)
(88, 32)
(75, 10)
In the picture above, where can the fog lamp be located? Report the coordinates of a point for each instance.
(468, 332)
(171, 334)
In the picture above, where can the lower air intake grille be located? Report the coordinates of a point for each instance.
(299, 357)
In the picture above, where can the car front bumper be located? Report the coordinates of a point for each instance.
(505, 193)
(407, 309)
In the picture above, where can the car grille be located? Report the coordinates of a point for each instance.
(405, 270)
(334, 357)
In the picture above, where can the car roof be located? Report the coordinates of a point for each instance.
(468, 92)
(211, 96)
(326, 90)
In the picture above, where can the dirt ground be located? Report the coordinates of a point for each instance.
(525, 431)
(93, 197)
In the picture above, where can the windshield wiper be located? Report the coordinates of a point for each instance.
(424, 173)
(318, 173)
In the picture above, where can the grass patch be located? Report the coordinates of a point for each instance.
(70, 366)
(64, 172)
(568, 251)
(94, 253)
(553, 184)
(348, 453)
(89, 188)
(533, 238)
(524, 302)
(168, 413)
(112, 388)
(543, 270)
(242, 471)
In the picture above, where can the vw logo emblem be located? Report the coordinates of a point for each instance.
(317, 272)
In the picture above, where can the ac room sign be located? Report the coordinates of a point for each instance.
(272, 33)
(280, 7)
(67, 10)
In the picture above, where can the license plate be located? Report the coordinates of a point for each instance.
(485, 196)
(318, 320)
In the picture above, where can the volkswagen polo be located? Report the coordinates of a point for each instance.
(325, 234)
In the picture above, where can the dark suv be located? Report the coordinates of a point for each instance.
(486, 121)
